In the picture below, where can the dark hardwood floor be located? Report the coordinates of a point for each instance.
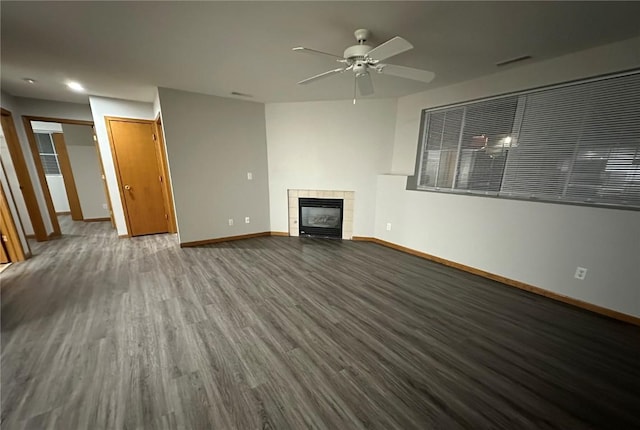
(288, 333)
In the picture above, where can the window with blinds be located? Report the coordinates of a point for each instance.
(576, 143)
(48, 154)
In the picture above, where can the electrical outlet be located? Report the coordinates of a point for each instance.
(247, 220)
(388, 226)
(250, 176)
(104, 206)
(230, 221)
(581, 273)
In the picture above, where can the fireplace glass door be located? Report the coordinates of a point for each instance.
(320, 217)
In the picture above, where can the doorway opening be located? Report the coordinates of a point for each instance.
(69, 169)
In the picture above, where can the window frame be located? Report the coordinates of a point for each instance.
(54, 153)
(413, 182)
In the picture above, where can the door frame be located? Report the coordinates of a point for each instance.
(116, 164)
(24, 178)
(104, 179)
(163, 164)
(67, 176)
(9, 229)
(31, 137)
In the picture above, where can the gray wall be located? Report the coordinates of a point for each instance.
(212, 142)
(54, 109)
(83, 156)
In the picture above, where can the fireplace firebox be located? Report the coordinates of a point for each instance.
(320, 217)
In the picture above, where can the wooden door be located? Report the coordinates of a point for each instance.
(67, 177)
(24, 178)
(4, 257)
(11, 244)
(135, 157)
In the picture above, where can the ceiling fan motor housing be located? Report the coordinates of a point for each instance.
(362, 34)
(357, 52)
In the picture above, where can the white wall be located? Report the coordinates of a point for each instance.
(537, 243)
(156, 104)
(540, 244)
(212, 142)
(58, 193)
(83, 157)
(101, 107)
(332, 145)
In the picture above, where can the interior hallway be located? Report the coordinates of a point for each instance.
(288, 333)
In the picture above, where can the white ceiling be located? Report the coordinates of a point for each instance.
(126, 49)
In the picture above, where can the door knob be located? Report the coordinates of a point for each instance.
(127, 187)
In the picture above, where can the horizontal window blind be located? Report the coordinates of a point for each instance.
(50, 164)
(485, 144)
(48, 154)
(441, 143)
(578, 143)
(45, 143)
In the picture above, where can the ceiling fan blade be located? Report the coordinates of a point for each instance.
(364, 84)
(406, 72)
(321, 76)
(391, 47)
(315, 51)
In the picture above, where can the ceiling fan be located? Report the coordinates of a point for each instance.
(361, 59)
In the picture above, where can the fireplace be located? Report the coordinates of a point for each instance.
(320, 217)
(348, 198)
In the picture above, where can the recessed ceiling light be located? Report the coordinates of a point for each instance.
(75, 86)
(29, 80)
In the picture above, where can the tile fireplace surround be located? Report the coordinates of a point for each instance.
(347, 211)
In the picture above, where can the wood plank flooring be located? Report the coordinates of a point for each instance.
(290, 333)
